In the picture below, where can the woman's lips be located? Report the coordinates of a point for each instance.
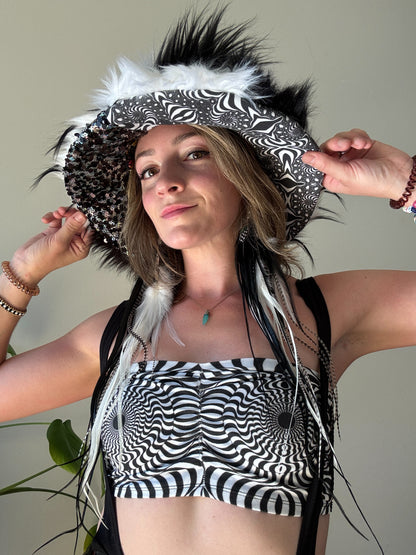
(175, 210)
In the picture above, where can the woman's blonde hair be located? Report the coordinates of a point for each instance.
(262, 209)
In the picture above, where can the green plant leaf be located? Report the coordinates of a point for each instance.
(24, 424)
(90, 536)
(8, 491)
(64, 445)
(11, 351)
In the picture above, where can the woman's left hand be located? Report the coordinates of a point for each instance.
(354, 164)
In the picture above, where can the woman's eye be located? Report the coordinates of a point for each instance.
(147, 173)
(197, 154)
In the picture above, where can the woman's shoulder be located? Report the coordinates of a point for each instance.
(338, 293)
(361, 302)
(87, 335)
(342, 293)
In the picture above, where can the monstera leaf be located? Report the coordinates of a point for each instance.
(65, 448)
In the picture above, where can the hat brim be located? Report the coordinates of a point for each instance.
(97, 165)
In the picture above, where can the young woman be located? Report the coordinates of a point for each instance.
(214, 386)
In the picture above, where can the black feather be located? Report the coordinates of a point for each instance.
(249, 253)
(110, 255)
(60, 141)
(198, 38)
(53, 169)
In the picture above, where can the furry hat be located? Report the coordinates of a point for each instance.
(204, 74)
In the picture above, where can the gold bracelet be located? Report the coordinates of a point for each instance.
(11, 309)
(24, 288)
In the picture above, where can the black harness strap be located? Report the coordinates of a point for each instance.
(314, 300)
(107, 540)
(110, 332)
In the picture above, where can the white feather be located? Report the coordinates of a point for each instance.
(155, 305)
(271, 306)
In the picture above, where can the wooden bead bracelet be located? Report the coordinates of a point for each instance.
(408, 190)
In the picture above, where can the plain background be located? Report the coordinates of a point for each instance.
(360, 55)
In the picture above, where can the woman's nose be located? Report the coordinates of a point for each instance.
(170, 179)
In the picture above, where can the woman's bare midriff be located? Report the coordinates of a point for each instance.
(201, 526)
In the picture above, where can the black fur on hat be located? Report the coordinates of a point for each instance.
(200, 39)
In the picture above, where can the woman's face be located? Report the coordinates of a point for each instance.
(188, 200)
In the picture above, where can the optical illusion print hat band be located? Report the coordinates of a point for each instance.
(188, 85)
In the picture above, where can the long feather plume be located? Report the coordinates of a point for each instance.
(150, 313)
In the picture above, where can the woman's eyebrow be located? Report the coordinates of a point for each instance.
(147, 152)
(183, 137)
(177, 140)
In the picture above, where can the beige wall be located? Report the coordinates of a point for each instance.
(361, 55)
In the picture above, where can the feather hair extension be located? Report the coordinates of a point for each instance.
(254, 264)
(302, 384)
(150, 313)
(248, 254)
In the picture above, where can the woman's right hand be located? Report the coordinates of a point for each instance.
(67, 239)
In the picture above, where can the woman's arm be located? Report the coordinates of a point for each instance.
(65, 370)
(370, 310)
(56, 374)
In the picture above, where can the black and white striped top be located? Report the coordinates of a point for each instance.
(224, 430)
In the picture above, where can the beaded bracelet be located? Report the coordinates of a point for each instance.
(408, 189)
(11, 309)
(411, 210)
(24, 288)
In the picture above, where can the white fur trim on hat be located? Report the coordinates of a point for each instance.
(129, 79)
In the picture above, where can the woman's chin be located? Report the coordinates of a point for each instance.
(183, 240)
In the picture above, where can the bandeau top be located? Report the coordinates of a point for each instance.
(228, 430)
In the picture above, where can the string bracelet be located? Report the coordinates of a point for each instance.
(24, 288)
(408, 189)
(13, 310)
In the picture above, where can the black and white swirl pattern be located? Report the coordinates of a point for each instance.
(227, 431)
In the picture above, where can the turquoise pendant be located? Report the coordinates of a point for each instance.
(205, 318)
